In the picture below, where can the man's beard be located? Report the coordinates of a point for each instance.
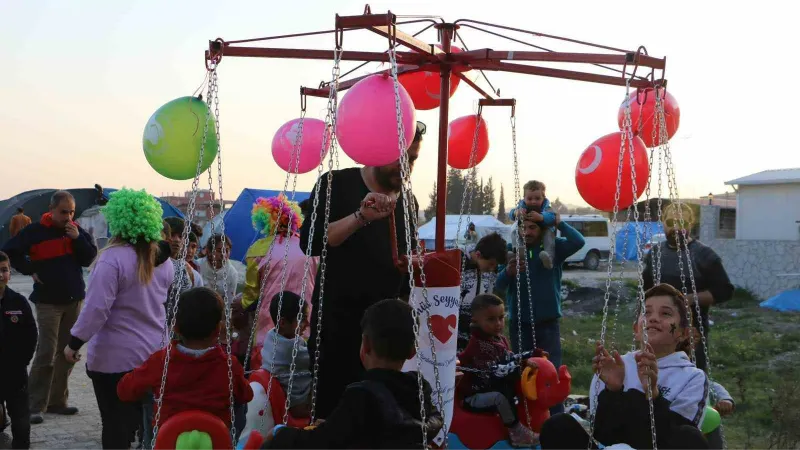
(388, 180)
(674, 236)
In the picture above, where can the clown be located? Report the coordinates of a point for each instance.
(260, 262)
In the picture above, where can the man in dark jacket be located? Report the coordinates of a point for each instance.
(53, 252)
(17, 343)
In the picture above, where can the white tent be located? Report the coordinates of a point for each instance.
(93, 221)
(483, 225)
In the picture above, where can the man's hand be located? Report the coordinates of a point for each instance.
(511, 267)
(534, 216)
(558, 218)
(377, 206)
(72, 230)
(724, 407)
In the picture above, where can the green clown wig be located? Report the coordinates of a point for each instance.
(133, 216)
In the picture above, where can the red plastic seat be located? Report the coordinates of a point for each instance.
(189, 421)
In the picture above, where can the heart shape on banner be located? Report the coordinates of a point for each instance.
(443, 327)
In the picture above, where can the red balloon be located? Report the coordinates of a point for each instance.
(425, 87)
(460, 136)
(643, 103)
(597, 169)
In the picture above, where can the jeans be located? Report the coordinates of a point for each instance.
(497, 402)
(50, 369)
(146, 435)
(120, 419)
(16, 400)
(548, 338)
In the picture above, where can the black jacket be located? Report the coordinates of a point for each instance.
(624, 417)
(18, 336)
(57, 261)
(382, 411)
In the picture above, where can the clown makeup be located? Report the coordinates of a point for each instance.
(672, 329)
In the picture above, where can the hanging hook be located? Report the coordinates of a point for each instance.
(303, 100)
(214, 54)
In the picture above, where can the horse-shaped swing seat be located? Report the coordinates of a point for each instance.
(259, 411)
(193, 430)
(542, 388)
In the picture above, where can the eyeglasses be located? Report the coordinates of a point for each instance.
(421, 128)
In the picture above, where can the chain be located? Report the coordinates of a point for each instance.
(330, 121)
(175, 294)
(657, 260)
(612, 253)
(620, 284)
(640, 269)
(520, 250)
(295, 162)
(406, 192)
(467, 194)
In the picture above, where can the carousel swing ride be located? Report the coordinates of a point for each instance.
(374, 123)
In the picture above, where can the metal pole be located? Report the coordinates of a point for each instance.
(446, 31)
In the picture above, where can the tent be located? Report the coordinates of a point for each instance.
(786, 301)
(37, 202)
(169, 210)
(239, 225)
(483, 225)
(627, 231)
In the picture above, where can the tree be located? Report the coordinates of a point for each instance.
(488, 198)
(430, 211)
(501, 207)
(455, 191)
(559, 207)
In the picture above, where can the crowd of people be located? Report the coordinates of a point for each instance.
(152, 307)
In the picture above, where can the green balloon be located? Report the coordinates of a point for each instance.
(711, 421)
(194, 440)
(174, 135)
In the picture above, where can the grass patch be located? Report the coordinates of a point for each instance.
(753, 354)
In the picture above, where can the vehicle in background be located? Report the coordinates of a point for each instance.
(595, 231)
(654, 240)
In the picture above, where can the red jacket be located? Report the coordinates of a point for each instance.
(192, 383)
(482, 352)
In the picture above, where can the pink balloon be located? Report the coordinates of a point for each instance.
(310, 145)
(366, 125)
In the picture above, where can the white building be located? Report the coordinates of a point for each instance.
(768, 205)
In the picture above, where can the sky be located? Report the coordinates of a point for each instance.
(80, 79)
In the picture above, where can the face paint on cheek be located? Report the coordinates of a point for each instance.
(672, 329)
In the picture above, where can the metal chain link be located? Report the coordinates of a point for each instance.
(330, 121)
(295, 162)
(620, 284)
(172, 303)
(467, 194)
(684, 241)
(611, 256)
(657, 259)
(521, 252)
(408, 222)
(640, 269)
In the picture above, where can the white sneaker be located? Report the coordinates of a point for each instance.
(522, 436)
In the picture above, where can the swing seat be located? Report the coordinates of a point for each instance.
(260, 418)
(541, 388)
(193, 430)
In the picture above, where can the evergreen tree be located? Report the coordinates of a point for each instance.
(455, 191)
(501, 207)
(488, 198)
(430, 211)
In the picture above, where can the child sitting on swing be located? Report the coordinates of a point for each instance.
(487, 347)
(382, 410)
(279, 343)
(198, 368)
(622, 412)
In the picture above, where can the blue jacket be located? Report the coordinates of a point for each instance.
(545, 284)
(18, 336)
(547, 212)
(58, 261)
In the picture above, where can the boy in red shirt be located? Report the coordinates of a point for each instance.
(198, 366)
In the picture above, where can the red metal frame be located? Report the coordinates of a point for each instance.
(424, 56)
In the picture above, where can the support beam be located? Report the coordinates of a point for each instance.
(409, 41)
(474, 85)
(560, 73)
(630, 59)
(290, 53)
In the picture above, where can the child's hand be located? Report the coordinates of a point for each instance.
(534, 216)
(529, 363)
(724, 407)
(72, 356)
(511, 267)
(610, 369)
(459, 373)
(647, 368)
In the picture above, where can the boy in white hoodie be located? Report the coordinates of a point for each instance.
(620, 389)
